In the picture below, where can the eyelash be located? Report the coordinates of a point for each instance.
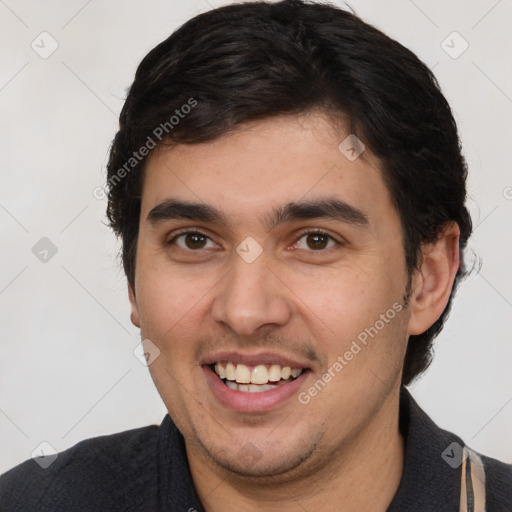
(311, 232)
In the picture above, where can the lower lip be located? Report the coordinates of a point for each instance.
(252, 402)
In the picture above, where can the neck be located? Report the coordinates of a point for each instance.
(362, 474)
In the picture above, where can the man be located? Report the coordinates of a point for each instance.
(288, 186)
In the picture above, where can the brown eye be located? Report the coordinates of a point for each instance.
(190, 241)
(195, 241)
(316, 241)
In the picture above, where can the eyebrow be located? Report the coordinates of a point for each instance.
(328, 207)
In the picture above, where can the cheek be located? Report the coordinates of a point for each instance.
(361, 304)
(167, 297)
(347, 296)
(169, 309)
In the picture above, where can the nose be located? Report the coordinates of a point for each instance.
(250, 296)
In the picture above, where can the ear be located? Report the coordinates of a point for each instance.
(134, 315)
(432, 283)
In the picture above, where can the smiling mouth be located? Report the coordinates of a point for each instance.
(255, 379)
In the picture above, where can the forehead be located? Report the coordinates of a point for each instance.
(252, 173)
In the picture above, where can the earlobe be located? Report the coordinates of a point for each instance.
(134, 315)
(433, 282)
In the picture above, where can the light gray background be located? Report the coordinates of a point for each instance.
(67, 366)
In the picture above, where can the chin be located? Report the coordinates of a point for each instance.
(259, 459)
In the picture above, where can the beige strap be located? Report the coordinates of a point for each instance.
(472, 493)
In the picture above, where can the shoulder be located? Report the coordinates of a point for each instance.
(498, 483)
(86, 476)
(432, 465)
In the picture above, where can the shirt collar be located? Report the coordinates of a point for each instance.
(428, 482)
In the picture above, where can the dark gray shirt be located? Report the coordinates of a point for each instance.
(146, 469)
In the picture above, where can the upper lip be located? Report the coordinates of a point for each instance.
(253, 359)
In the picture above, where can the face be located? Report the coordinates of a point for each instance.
(270, 277)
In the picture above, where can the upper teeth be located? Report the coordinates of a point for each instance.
(260, 374)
